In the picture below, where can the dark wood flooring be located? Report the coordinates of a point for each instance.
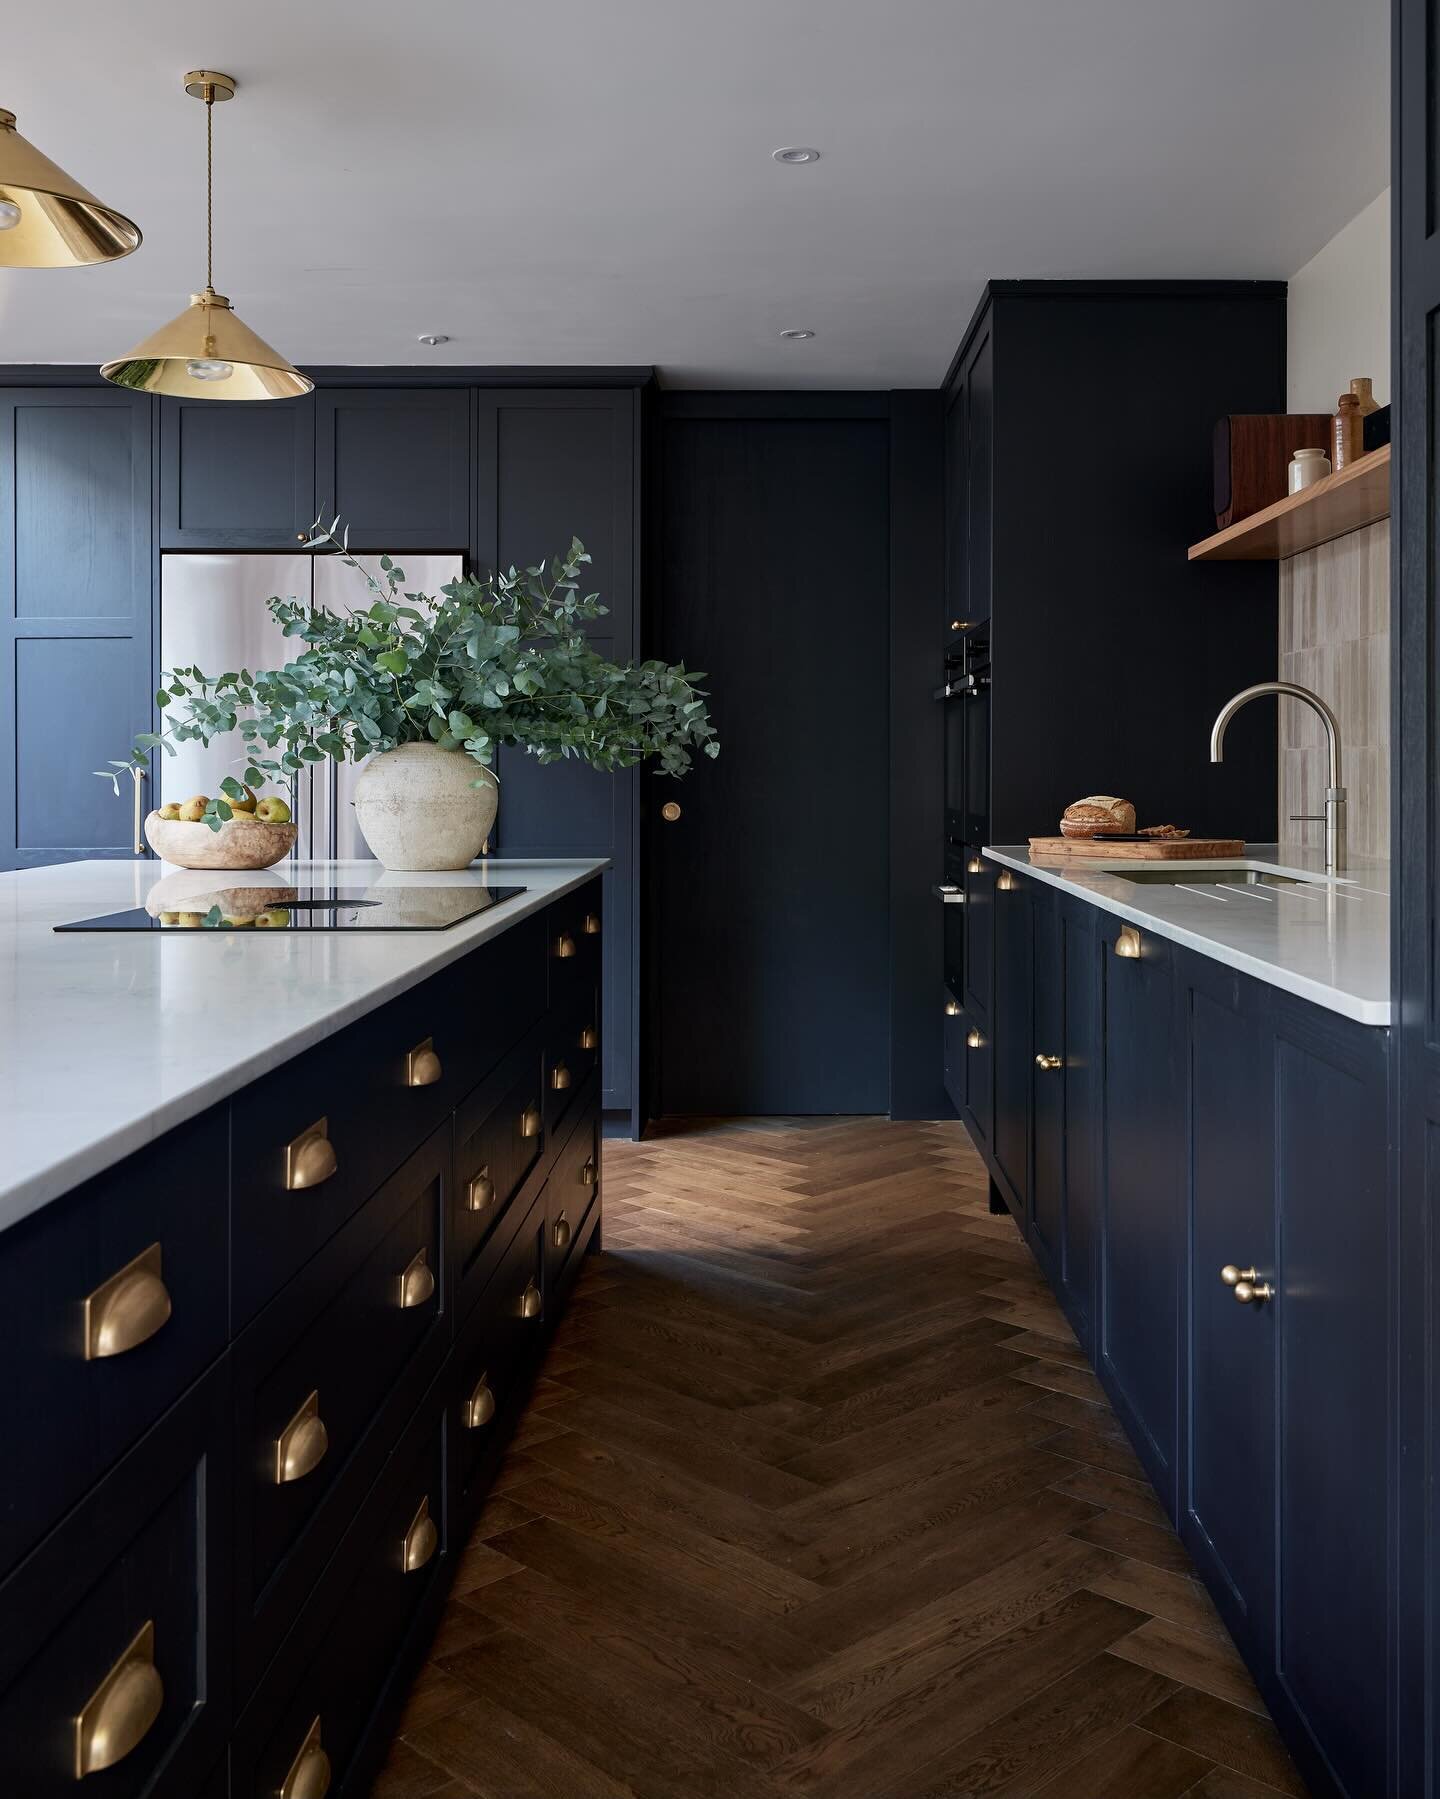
(817, 1496)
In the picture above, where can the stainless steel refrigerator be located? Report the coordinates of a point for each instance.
(212, 615)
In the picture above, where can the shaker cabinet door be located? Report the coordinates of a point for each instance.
(394, 464)
(235, 477)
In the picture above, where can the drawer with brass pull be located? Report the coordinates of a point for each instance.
(112, 1301)
(114, 1662)
(571, 1190)
(572, 1051)
(315, 1376)
(307, 1728)
(498, 1143)
(574, 939)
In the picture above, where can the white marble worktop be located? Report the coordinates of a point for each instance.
(111, 1039)
(1328, 941)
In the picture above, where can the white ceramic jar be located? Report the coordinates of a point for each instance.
(1307, 467)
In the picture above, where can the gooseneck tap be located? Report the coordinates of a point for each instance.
(1334, 813)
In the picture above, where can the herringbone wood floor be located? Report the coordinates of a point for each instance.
(818, 1497)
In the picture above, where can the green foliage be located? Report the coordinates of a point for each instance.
(499, 659)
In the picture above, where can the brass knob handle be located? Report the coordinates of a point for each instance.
(589, 1038)
(417, 1283)
(309, 1776)
(564, 946)
(1232, 1276)
(560, 1232)
(1049, 1062)
(300, 1447)
(422, 1539)
(422, 1065)
(592, 924)
(126, 1310)
(310, 1157)
(962, 624)
(973, 1040)
(480, 1406)
(1248, 1292)
(480, 1194)
(670, 811)
(118, 1714)
(589, 1174)
(530, 1122)
(530, 1301)
(1128, 944)
(559, 1077)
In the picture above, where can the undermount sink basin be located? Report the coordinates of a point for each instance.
(1225, 874)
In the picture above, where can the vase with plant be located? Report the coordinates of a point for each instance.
(423, 689)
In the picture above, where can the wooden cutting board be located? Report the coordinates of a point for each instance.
(1128, 849)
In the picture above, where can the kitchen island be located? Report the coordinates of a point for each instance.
(286, 1216)
(1180, 1091)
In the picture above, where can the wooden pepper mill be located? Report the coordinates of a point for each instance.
(1347, 433)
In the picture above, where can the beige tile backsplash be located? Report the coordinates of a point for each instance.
(1335, 638)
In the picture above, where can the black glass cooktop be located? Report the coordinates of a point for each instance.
(234, 907)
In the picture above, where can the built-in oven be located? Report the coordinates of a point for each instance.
(966, 697)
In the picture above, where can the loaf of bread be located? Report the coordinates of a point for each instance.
(1101, 815)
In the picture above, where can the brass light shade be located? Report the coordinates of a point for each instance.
(48, 221)
(206, 353)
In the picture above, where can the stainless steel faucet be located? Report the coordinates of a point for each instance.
(1333, 816)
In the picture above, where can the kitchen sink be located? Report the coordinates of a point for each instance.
(1234, 874)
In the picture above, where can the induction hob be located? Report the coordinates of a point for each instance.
(236, 907)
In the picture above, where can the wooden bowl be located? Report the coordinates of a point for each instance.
(241, 843)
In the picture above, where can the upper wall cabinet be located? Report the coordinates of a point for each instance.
(394, 463)
(75, 636)
(236, 477)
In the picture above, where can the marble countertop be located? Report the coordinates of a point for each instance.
(111, 1039)
(1328, 942)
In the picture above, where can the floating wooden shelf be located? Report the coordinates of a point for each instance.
(1358, 496)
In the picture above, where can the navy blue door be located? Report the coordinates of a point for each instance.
(394, 463)
(1014, 983)
(76, 570)
(1080, 953)
(236, 477)
(1047, 1173)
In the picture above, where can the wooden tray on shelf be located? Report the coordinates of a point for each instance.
(1131, 849)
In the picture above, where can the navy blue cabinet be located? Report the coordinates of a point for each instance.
(1014, 985)
(236, 477)
(1048, 1038)
(76, 546)
(394, 464)
(1138, 1339)
(1080, 1085)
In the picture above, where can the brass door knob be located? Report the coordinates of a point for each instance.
(592, 924)
(973, 1040)
(422, 1539)
(564, 946)
(309, 1776)
(119, 1713)
(129, 1308)
(1232, 1276)
(589, 1174)
(1249, 1292)
(560, 1232)
(530, 1301)
(589, 1038)
(300, 1447)
(559, 1077)
(422, 1065)
(480, 1406)
(417, 1283)
(962, 624)
(480, 1194)
(310, 1157)
(1049, 1062)
(530, 1122)
(670, 811)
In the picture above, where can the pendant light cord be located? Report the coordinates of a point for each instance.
(209, 191)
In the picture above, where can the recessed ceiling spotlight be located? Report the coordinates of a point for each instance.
(432, 338)
(797, 334)
(796, 153)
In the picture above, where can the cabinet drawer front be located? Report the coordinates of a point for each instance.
(114, 1657)
(334, 1666)
(112, 1301)
(575, 930)
(499, 1137)
(573, 1188)
(313, 1378)
(494, 1359)
(379, 1087)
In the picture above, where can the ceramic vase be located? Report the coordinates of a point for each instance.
(421, 807)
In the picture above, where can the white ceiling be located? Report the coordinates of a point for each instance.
(590, 181)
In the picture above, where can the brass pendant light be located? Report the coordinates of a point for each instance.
(48, 221)
(206, 353)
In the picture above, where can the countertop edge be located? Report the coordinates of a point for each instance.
(1376, 1013)
(32, 1193)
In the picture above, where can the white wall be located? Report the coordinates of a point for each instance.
(1339, 314)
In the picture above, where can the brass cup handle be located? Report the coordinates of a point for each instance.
(973, 1040)
(480, 1406)
(480, 1194)
(530, 1122)
(560, 1232)
(309, 1776)
(1128, 944)
(530, 1301)
(564, 946)
(128, 1309)
(952, 1008)
(310, 1157)
(422, 1539)
(1049, 1062)
(589, 1037)
(417, 1283)
(559, 1077)
(590, 1173)
(119, 1713)
(422, 1065)
(592, 924)
(300, 1447)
